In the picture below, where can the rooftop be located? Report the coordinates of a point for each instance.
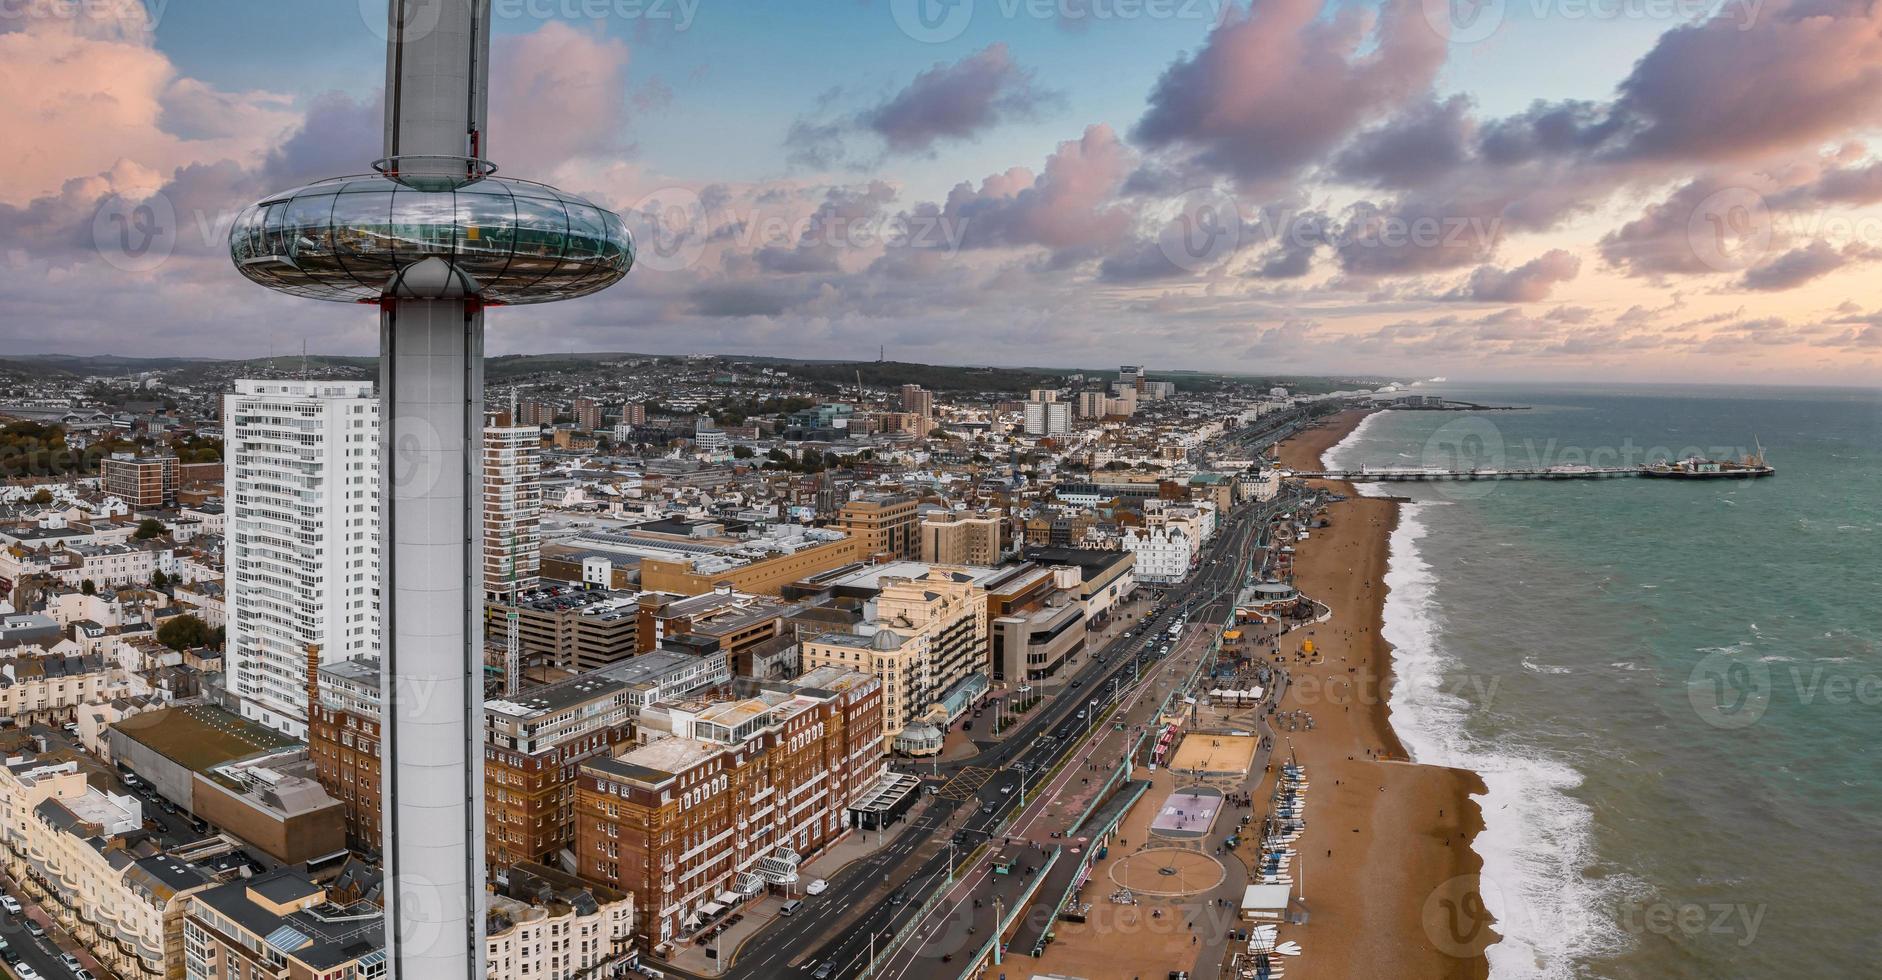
(320, 934)
(200, 737)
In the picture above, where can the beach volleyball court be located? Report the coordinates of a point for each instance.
(1202, 752)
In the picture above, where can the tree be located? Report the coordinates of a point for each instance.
(158, 580)
(42, 496)
(183, 632)
(149, 528)
(88, 587)
(742, 452)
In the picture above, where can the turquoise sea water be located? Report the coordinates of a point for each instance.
(1673, 689)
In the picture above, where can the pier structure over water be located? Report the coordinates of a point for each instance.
(1422, 475)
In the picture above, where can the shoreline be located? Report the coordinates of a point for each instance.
(1388, 873)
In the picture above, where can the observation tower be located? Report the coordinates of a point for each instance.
(432, 237)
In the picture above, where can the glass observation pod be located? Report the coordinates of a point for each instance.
(343, 239)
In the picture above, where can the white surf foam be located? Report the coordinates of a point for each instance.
(1334, 456)
(1536, 838)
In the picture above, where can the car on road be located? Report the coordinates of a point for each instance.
(825, 972)
(1006, 790)
(817, 886)
(898, 898)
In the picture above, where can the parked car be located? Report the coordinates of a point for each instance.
(11, 904)
(790, 907)
(25, 971)
(71, 962)
(34, 929)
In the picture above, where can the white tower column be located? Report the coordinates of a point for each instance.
(431, 377)
(431, 389)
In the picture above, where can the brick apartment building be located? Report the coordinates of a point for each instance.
(343, 742)
(721, 799)
(144, 482)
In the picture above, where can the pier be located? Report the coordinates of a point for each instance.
(1364, 475)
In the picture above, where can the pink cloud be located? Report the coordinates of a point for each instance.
(1273, 90)
(560, 94)
(1069, 207)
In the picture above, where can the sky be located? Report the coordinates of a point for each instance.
(1628, 190)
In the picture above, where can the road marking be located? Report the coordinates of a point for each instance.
(965, 784)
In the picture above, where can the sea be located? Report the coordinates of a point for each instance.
(1672, 689)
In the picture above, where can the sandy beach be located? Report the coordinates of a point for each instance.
(1386, 867)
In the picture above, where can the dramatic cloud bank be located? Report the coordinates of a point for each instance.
(1299, 192)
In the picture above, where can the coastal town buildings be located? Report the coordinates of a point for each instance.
(962, 539)
(82, 854)
(533, 742)
(343, 742)
(719, 800)
(545, 924)
(883, 525)
(144, 482)
(303, 540)
(512, 507)
(925, 639)
(281, 923)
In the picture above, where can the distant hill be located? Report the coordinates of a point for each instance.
(509, 367)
